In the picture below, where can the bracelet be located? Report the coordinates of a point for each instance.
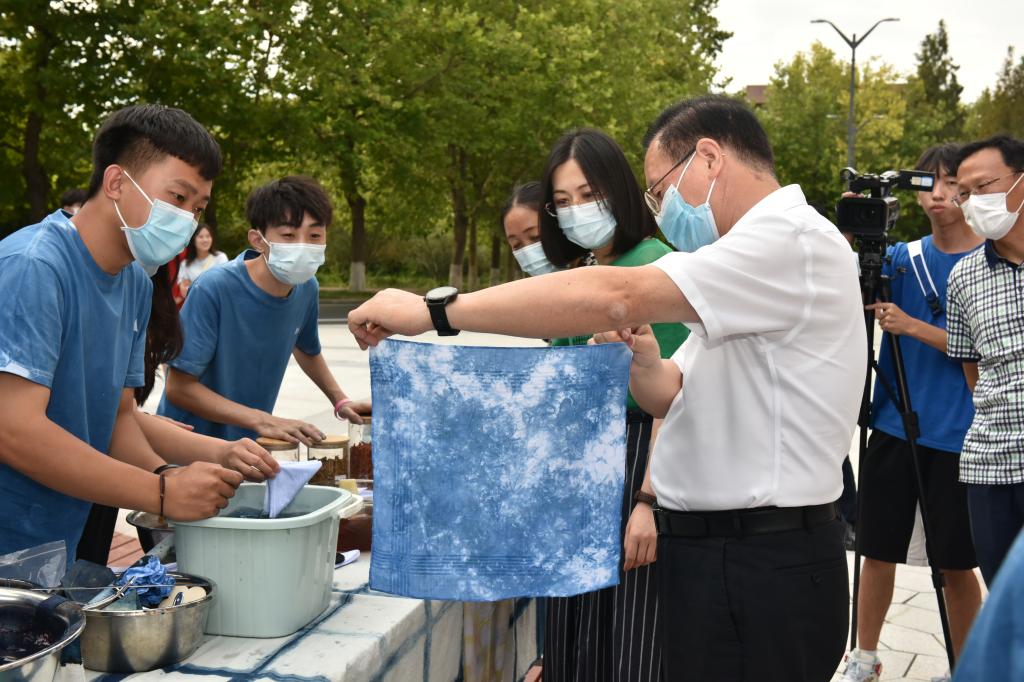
(163, 491)
(340, 404)
(646, 498)
(165, 467)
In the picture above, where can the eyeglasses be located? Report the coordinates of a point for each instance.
(653, 202)
(961, 198)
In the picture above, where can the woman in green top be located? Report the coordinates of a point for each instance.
(594, 213)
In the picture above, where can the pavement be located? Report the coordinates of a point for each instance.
(911, 645)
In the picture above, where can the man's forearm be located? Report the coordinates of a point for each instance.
(177, 445)
(128, 443)
(935, 337)
(185, 391)
(971, 374)
(646, 485)
(51, 456)
(315, 367)
(654, 388)
(574, 302)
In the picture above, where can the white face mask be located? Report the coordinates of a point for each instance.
(294, 264)
(588, 225)
(533, 260)
(987, 213)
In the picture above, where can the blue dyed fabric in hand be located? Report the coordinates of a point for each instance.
(498, 472)
(152, 574)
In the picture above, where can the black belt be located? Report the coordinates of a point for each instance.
(739, 522)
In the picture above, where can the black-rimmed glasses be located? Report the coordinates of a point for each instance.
(653, 202)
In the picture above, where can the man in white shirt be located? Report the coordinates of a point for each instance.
(759, 403)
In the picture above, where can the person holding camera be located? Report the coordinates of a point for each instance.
(759, 403)
(938, 393)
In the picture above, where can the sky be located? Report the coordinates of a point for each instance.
(767, 31)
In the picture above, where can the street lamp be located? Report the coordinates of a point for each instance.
(851, 127)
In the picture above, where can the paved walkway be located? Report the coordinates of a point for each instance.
(911, 642)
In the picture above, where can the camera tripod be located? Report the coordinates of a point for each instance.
(875, 287)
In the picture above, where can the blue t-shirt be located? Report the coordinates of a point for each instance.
(238, 339)
(995, 645)
(938, 390)
(67, 325)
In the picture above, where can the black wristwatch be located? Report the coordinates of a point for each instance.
(437, 302)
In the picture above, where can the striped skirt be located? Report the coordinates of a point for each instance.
(610, 635)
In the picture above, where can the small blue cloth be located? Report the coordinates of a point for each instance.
(152, 574)
(283, 488)
(498, 472)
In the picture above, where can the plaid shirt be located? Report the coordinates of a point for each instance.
(985, 322)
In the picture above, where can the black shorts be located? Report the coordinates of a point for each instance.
(889, 499)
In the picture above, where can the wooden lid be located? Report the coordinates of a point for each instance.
(276, 445)
(330, 443)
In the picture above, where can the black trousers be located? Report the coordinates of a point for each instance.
(98, 534)
(756, 608)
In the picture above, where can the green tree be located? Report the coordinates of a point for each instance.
(936, 102)
(805, 116)
(56, 62)
(1000, 109)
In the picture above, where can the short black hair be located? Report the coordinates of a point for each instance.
(1011, 149)
(939, 157)
(73, 196)
(610, 175)
(723, 119)
(286, 201)
(141, 134)
(528, 194)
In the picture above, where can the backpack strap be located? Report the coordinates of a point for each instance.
(931, 294)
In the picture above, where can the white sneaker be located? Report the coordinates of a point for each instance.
(943, 678)
(861, 667)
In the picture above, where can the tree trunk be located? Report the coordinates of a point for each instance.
(210, 213)
(511, 265)
(474, 272)
(460, 213)
(36, 182)
(357, 269)
(495, 277)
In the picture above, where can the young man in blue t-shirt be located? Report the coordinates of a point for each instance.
(939, 395)
(243, 320)
(72, 339)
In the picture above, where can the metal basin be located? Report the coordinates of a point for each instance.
(151, 532)
(34, 628)
(138, 641)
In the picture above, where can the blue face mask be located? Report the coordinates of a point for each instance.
(162, 237)
(533, 260)
(588, 225)
(294, 264)
(687, 227)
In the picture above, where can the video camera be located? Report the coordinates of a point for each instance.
(872, 217)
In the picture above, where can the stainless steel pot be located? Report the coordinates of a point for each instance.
(151, 532)
(34, 628)
(138, 641)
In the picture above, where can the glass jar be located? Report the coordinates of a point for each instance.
(332, 453)
(360, 451)
(281, 450)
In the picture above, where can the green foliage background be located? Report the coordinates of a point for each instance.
(419, 117)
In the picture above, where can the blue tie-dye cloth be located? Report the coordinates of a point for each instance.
(498, 472)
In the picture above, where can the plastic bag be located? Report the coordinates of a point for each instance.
(43, 565)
